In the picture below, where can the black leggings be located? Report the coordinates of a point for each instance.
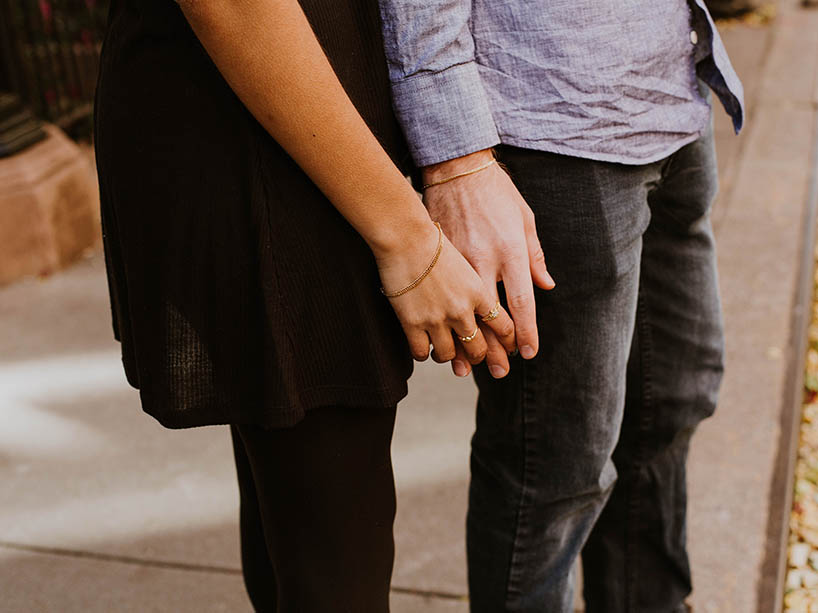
(317, 508)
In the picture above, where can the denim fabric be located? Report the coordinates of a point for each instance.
(585, 445)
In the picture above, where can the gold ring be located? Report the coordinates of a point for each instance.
(470, 337)
(493, 313)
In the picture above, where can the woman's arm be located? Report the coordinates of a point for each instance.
(267, 52)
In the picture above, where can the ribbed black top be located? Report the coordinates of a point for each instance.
(238, 293)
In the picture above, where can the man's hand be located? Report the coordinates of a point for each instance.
(486, 218)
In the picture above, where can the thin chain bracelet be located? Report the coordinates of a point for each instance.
(424, 274)
(460, 174)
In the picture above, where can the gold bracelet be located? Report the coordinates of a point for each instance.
(461, 174)
(423, 275)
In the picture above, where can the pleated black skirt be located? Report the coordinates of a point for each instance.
(238, 293)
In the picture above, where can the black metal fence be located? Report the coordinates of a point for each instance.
(49, 53)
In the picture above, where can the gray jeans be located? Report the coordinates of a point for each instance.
(584, 447)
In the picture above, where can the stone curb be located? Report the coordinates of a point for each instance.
(49, 207)
(782, 484)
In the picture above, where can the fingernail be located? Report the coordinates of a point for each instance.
(497, 371)
(460, 368)
(527, 351)
(551, 279)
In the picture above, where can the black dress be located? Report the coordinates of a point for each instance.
(238, 293)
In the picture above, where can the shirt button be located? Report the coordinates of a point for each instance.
(694, 38)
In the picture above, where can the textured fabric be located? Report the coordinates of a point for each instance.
(611, 81)
(591, 436)
(317, 508)
(635, 558)
(238, 292)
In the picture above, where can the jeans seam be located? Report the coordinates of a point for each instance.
(512, 584)
(645, 424)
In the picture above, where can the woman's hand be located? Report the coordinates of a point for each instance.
(443, 305)
(269, 55)
(490, 223)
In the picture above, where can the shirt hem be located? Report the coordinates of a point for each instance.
(550, 147)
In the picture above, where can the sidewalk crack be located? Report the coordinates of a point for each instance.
(185, 566)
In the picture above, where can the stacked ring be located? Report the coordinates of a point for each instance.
(493, 313)
(470, 337)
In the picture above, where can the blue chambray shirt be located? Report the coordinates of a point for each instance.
(611, 80)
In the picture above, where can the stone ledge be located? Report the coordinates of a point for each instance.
(49, 207)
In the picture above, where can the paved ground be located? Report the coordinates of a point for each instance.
(759, 226)
(103, 510)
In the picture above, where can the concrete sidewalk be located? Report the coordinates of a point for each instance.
(101, 509)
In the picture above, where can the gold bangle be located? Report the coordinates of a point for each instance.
(461, 174)
(423, 275)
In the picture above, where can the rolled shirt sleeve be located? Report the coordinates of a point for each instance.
(436, 88)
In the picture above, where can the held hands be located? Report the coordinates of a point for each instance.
(436, 287)
(492, 226)
(443, 304)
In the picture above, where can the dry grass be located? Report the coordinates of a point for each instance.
(801, 595)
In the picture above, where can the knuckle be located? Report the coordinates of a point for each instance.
(506, 328)
(419, 350)
(519, 301)
(516, 258)
(479, 298)
(420, 356)
(430, 320)
(495, 354)
(443, 356)
(413, 321)
(447, 355)
(508, 249)
(465, 315)
(461, 310)
(418, 345)
(415, 324)
(475, 357)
